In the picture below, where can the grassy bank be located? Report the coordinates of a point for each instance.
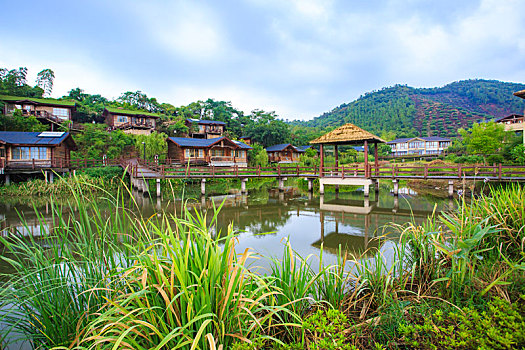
(123, 281)
(88, 181)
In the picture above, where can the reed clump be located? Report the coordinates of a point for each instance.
(100, 281)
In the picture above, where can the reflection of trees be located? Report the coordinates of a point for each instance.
(257, 219)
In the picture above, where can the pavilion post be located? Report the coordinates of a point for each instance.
(336, 155)
(322, 161)
(366, 158)
(376, 160)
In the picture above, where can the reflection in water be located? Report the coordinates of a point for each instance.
(266, 217)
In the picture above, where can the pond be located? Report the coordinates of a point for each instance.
(265, 218)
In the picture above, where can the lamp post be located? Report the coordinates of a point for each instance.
(144, 145)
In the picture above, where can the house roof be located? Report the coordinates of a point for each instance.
(512, 116)
(245, 137)
(303, 148)
(429, 138)
(242, 145)
(45, 138)
(201, 143)
(41, 101)
(206, 121)
(520, 93)
(347, 134)
(115, 110)
(281, 147)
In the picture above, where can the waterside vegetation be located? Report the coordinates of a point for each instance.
(117, 280)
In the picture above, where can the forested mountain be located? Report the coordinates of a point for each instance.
(440, 111)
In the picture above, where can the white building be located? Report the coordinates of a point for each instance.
(424, 146)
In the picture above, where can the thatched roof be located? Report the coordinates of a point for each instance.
(520, 93)
(348, 134)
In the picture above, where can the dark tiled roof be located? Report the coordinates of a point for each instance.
(242, 145)
(303, 148)
(206, 121)
(279, 147)
(31, 138)
(512, 116)
(42, 101)
(115, 110)
(203, 143)
(429, 138)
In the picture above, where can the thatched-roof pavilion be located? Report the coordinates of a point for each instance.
(348, 134)
(520, 93)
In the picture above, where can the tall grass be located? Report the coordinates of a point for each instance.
(60, 275)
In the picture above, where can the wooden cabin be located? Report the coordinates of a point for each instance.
(283, 153)
(46, 110)
(205, 129)
(219, 151)
(246, 139)
(131, 122)
(26, 152)
(513, 122)
(419, 146)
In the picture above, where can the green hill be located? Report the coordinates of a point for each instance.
(437, 111)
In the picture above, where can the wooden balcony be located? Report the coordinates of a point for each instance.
(34, 164)
(44, 115)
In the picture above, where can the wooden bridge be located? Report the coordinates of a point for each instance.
(141, 172)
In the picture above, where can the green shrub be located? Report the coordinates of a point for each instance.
(325, 329)
(500, 326)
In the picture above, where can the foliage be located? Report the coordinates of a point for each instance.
(409, 112)
(14, 82)
(95, 142)
(325, 330)
(138, 101)
(60, 274)
(501, 326)
(89, 107)
(518, 154)
(62, 186)
(257, 155)
(266, 129)
(105, 173)
(19, 122)
(44, 80)
(309, 158)
(484, 139)
(155, 145)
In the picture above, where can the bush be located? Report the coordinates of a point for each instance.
(106, 173)
(501, 326)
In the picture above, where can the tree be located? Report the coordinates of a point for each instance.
(266, 129)
(14, 82)
(484, 138)
(138, 100)
(155, 145)
(44, 80)
(18, 122)
(258, 155)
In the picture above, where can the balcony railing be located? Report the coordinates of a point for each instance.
(44, 115)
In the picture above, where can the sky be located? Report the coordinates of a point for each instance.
(299, 58)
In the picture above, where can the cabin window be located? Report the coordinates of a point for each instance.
(217, 152)
(38, 152)
(62, 113)
(241, 154)
(193, 153)
(18, 106)
(20, 153)
(2, 152)
(28, 108)
(122, 119)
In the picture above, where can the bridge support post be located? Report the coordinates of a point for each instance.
(451, 189)
(367, 190)
(310, 185)
(396, 187)
(51, 177)
(281, 184)
(321, 187)
(203, 187)
(74, 172)
(46, 177)
(336, 189)
(376, 185)
(7, 179)
(243, 186)
(158, 188)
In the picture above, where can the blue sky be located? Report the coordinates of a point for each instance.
(299, 58)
